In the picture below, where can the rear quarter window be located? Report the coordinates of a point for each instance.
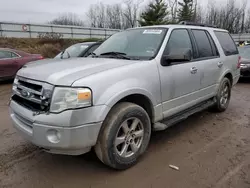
(226, 43)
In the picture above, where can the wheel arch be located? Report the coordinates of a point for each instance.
(140, 100)
(227, 74)
(230, 77)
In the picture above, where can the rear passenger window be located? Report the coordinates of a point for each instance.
(203, 44)
(226, 43)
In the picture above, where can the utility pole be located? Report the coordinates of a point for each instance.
(243, 22)
(175, 10)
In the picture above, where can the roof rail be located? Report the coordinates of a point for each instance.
(197, 24)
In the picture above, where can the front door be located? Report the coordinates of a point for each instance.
(180, 81)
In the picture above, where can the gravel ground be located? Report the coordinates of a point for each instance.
(211, 150)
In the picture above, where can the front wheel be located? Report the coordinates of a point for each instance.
(124, 136)
(223, 96)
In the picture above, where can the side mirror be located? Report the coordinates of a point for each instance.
(177, 55)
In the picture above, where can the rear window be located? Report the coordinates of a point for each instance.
(226, 43)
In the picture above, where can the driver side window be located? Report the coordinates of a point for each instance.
(179, 39)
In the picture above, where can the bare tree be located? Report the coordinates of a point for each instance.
(173, 6)
(67, 19)
(230, 17)
(101, 17)
(97, 15)
(92, 15)
(114, 16)
(247, 22)
(131, 12)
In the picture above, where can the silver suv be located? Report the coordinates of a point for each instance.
(138, 81)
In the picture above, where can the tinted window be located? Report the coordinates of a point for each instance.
(5, 54)
(179, 39)
(226, 43)
(73, 51)
(203, 44)
(214, 47)
(91, 49)
(13, 55)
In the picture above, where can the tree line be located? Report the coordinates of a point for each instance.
(231, 16)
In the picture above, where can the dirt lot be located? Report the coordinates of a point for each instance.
(211, 150)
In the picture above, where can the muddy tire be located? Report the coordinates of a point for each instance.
(223, 96)
(124, 136)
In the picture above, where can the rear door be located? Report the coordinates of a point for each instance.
(8, 64)
(208, 60)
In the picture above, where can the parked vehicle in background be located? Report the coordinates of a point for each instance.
(138, 81)
(78, 50)
(12, 60)
(245, 61)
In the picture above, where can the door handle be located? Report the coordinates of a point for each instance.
(193, 70)
(220, 64)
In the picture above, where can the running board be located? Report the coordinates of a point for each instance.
(166, 123)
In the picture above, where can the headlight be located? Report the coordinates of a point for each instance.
(244, 66)
(70, 98)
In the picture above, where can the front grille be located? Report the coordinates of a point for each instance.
(30, 85)
(33, 95)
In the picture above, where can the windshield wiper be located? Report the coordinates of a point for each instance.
(62, 54)
(117, 54)
(93, 54)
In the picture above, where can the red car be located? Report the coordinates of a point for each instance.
(12, 60)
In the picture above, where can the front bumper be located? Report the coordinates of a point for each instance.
(69, 139)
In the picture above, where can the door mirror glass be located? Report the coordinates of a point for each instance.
(176, 56)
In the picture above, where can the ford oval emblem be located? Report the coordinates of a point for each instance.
(25, 93)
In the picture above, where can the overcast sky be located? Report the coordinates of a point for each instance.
(41, 11)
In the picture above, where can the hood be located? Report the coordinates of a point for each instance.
(245, 61)
(66, 72)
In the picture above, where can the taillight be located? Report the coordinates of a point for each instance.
(239, 62)
(40, 57)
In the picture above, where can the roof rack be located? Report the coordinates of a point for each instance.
(197, 24)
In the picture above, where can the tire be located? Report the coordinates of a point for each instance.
(223, 96)
(115, 136)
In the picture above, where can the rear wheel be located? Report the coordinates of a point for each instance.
(124, 136)
(223, 96)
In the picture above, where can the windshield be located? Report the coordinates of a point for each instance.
(135, 43)
(244, 52)
(73, 51)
